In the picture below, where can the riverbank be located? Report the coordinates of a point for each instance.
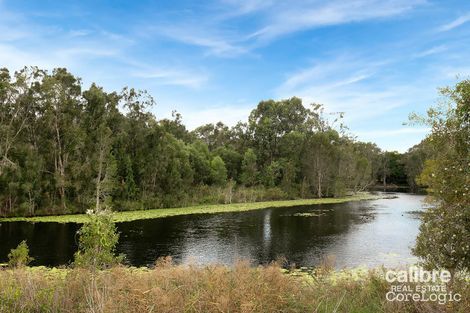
(126, 216)
(170, 288)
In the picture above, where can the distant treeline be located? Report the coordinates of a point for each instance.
(64, 150)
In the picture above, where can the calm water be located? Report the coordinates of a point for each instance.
(367, 233)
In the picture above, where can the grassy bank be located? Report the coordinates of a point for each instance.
(169, 288)
(126, 216)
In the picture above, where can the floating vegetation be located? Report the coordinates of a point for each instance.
(333, 277)
(126, 216)
(309, 214)
(316, 213)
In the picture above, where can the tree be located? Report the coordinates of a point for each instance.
(199, 158)
(176, 127)
(99, 107)
(62, 109)
(214, 136)
(218, 171)
(414, 160)
(271, 120)
(249, 170)
(320, 159)
(443, 241)
(271, 175)
(232, 160)
(13, 113)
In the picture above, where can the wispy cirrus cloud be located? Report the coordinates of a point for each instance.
(200, 56)
(360, 87)
(167, 76)
(431, 51)
(218, 44)
(284, 18)
(339, 84)
(455, 23)
(318, 74)
(273, 19)
(242, 7)
(26, 42)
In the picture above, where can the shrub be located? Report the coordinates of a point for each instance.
(19, 256)
(97, 242)
(443, 241)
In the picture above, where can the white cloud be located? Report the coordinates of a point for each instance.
(217, 43)
(241, 7)
(228, 114)
(271, 19)
(455, 23)
(345, 70)
(345, 84)
(80, 50)
(292, 16)
(431, 51)
(391, 132)
(172, 76)
(454, 71)
(400, 139)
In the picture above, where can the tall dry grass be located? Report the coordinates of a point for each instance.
(169, 288)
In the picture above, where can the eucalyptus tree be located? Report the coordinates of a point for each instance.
(62, 111)
(19, 164)
(214, 135)
(15, 111)
(98, 123)
(271, 121)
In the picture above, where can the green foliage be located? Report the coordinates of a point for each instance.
(246, 199)
(232, 160)
(218, 171)
(19, 256)
(392, 169)
(97, 242)
(249, 174)
(64, 149)
(414, 161)
(444, 235)
(214, 136)
(271, 175)
(199, 158)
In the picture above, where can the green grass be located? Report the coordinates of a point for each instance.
(127, 216)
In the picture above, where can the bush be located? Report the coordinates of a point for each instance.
(443, 241)
(19, 256)
(97, 242)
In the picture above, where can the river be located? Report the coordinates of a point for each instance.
(366, 233)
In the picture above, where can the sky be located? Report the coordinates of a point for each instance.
(375, 60)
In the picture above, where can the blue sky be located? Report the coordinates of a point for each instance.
(375, 60)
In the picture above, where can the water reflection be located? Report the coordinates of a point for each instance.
(357, 233)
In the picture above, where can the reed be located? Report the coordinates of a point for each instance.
(214, 288)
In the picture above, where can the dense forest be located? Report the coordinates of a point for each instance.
(64, 149)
